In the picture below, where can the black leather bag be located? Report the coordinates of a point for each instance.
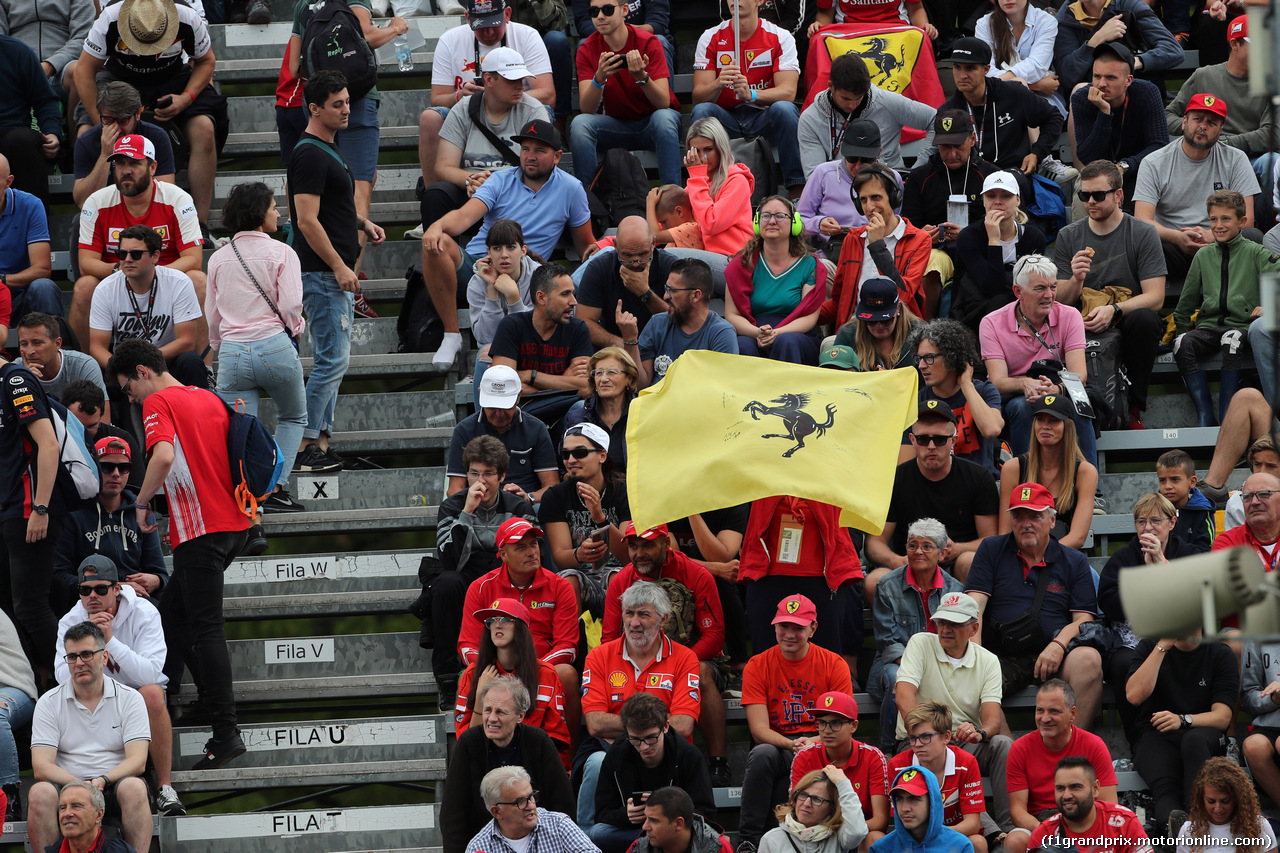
(1022, 635)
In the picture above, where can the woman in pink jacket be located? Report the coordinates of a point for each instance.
(719, 188)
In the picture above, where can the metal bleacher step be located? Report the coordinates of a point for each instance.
(319, 752)
(368, 490)
(393, 201)
(1123, 491)
(326, 667)
(403, 828)
(1156, 438)
(321, 584)
(331, 522)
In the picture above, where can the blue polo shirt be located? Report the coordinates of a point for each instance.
(527, 441)
(22, 223)
(543, 214)
(998, 566)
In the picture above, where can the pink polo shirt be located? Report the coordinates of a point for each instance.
(235, 309)
(1002, 336)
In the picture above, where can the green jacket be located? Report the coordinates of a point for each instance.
(1240, 262)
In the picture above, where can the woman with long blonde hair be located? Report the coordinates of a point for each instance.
(719, 188)
(878, 330)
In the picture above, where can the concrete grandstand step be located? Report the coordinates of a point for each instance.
(1158, 440)
(374, 412)
(342, 521)
(327, 830)
(373, 365)
(253, 122)
(327, 667)
(308, 585)
(368, 337)
(368, 491)
(1123, 490)
(391, 259)
(319, 752)
(394, 191)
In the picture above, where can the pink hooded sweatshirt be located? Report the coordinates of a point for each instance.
(725, 220)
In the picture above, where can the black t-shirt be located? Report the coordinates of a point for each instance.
(89, 146)
(601, 287)
(561, 503)
(1189, 682)
(955, 500)
(517, 339)
(21, 403)
(729, 518)
(318, 168)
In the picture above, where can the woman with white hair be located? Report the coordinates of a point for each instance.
(986, 250)
(719, 188)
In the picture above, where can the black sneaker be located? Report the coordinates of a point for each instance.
(719, 766)
(313, 460)
(256, 543)
(281, 501)
(259, 12)
(219, 752)
(332, 456)
(13, 811)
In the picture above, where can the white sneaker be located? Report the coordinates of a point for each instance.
(1055, 170)
(416, 232)
(381, 8)
(452, 7)
(167, 802)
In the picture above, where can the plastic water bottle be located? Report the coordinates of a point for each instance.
(403, 56)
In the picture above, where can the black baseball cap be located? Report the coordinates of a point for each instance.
(861, 139)
(541, 131)
(1054, 405)
(936, 409)
(103, 568)
(971, 51)
(1114, 49)
(952, 127)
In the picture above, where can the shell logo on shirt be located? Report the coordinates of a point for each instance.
(617, 679)
(724, 57)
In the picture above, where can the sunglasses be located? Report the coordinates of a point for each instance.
(924, 439)
(498, 620)
(607, 10)
(1095, 195)
(131, 254)
(113, 467)
(98, 589)
(577, 452)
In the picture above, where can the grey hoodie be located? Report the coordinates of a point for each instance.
(890, 111)
(54, 29)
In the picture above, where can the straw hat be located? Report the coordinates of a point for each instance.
(148, 27)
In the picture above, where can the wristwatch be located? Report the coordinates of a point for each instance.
(644, 82)
(40, 509)
(1186, 721)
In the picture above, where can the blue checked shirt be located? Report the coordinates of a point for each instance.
(555, 833)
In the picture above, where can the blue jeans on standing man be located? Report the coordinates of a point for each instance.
(270, 365)
(16, 708)
(777, 123)
(330, 312)
(658, 132)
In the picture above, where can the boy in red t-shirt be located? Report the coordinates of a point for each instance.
(929, 726)
(186, 437)
(780, 687)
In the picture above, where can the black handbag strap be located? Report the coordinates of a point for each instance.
(474, 106)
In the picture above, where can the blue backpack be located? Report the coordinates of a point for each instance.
(256, 460)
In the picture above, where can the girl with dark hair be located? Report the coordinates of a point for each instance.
(1022, 37)
(775, 288)
(254, 307)
(1224, 807)
(498, 287)
(506, 648)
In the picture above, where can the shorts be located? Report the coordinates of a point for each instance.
(443, 112)
(359, 142)
(209, 102)
(594, 582)
(1269, 732)
(290, 123)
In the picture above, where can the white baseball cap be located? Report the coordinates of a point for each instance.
(505, 62)
(499, 387)
(1001, 181)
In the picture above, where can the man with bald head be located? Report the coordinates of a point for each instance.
(25, 256)
(1261, 528)
(629, 279)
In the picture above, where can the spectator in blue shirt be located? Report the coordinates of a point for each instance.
(26, 260)
(688, 324)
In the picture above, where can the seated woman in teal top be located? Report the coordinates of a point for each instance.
(776, 287)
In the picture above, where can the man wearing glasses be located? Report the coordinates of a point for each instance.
(136, 197)
(120, 114)
(826, 205)
(90, 728)
(689, 323)
(1261, 528)
(519, 823)
(837, 716)
(635, 274)
(649, 757)
(935, 484)
(135, 645)
(1110, 247)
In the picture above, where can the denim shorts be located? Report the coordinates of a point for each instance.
(359, 142)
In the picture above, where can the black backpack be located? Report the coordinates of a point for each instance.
(757, 155)
(618, 190)
(333, 40)
(418, 327)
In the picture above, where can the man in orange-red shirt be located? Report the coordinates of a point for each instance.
(780, 687)
(645, 660)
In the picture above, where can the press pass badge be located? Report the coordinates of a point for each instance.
(958, 209)
(789, 535)
(1079, 397)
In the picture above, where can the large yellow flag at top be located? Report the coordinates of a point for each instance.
(721, 430)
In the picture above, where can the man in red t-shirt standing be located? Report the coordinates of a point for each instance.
(752, 92)
(1085, 823)
(780, 688)
(623, 68)
(186, 437)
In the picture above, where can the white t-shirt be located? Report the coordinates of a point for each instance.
(1225, 838)
(90, 744)
(174, 302)
(454, 62)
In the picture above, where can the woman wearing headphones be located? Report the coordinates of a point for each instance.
(776, 287)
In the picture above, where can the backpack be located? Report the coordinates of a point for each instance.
(418, 327)
(1108, 381)
(256, 460)
(618, 190)
(757, 155)
(682, 624)
(333, 40)
(78, 477)
(1047, 209)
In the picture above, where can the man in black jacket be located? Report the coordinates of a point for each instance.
(650, 757)
(500, 739)
(466, 527)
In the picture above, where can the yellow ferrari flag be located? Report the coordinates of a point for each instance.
(721, 430)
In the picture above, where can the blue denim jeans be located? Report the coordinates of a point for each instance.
(777, 124)
(613, 839)
(880, 684)
(270, 365)
(1263, 344)
(560, 52)
(587, 791)
(359, 141)
(1017, 412)
(330, 312)
(40, 295)
(1263, 203)
(15, 713)
(658, 132)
